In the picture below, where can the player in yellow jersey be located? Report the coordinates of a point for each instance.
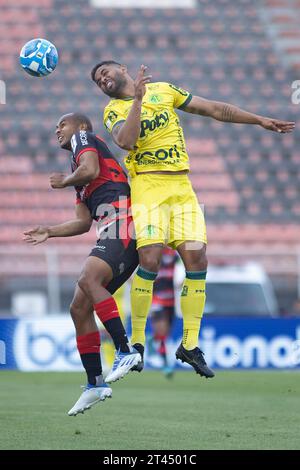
(142, 119)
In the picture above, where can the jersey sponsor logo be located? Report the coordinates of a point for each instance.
(153, 86)
(83, 138)
(179, 90)
(159, 121)
(73, 143)
(160, 154)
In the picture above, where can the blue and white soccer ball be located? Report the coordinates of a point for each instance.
(39, 57)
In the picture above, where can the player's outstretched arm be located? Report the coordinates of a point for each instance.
(80, 225)
(229, 113)
(127, 133)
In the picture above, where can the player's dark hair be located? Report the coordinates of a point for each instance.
(104, 62)
(82, 119)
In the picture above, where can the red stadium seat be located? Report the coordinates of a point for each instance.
(218, 50)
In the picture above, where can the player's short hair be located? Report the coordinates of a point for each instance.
(104, 62)
(82, 119)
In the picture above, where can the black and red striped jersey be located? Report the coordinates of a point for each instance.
(163, 289)
(110, 185)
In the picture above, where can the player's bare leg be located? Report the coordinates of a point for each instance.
(88, 344)
(95, 275)
(193, 255)
(82, 313)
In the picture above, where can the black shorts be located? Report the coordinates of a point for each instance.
(121, 257)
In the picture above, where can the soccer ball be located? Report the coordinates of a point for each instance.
(38, 57)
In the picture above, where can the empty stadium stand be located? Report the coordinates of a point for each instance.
(242, 52)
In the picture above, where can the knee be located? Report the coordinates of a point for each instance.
(150, 261)
(198, 261)
(75, 311)
(89, 281)
(84, 282)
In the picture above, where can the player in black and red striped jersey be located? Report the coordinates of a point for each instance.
(102, 194)
(163, 308)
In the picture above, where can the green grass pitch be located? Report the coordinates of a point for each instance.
(235, 410)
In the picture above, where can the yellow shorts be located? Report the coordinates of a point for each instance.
(166, 210)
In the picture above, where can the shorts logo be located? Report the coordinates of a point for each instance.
(121, 268)
(83, 138)
(150, 230)
(100, 247)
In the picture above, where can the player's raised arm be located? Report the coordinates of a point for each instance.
(86, 172)
(127, 133)
(229, 113)
(81, 224)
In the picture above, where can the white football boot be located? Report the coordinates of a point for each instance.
(90, 397)
(123, 363)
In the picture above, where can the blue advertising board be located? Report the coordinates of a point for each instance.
(228, 343)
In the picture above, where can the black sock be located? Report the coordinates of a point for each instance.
(115, 328)
(92, 364)
(140, 348)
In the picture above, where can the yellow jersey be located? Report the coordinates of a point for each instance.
(161, 144)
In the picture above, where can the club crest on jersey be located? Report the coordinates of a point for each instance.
(83, 137)
(155, 99)
(111, 118)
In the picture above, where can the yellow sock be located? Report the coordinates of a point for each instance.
(192, 307)
(119, 297)
(141, 299)
(108, 353)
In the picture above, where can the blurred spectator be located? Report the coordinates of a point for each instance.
(296, 308)
(163, 309)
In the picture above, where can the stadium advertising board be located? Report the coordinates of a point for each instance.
(229, 343)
